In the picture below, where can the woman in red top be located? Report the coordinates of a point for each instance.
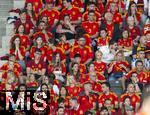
(40, 45)
(20, 32)
(132, 11)
(63, 94)
(30, 13)
(118, 68)
(126, 43)
(74, 74)
(100, 66)
(17, 48)
(57, 67)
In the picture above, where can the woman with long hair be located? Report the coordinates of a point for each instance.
(57, 67)
(39, 44)
(17, 49)
(20, 32)
(132, 11)
(30, 13)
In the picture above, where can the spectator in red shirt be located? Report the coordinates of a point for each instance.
(126, 42)
(92, 7)
(119, 65)
(92, 72)
(51, 13)
(30, 14)
(36, 66)
(63, 44)
(65, 27)
(88, 98)
(37, 5)
(11, 65)
(134, 30)
(104, 39)
(76, 108)
(140, 71)
(17, 49)
(79, 4)
(40, 45)
(73, 12)
(31, 81)
(132, 11)
(82, 49)
(135, 98)
(117, 17)
(100, 66)
(25, 41)
(91, 26)
(11, 82)
(112, 28)
(23, 20)
(57, 67)
(77, 59)
(107, 94)
(43, 32)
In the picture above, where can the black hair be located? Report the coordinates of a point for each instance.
(22, 85)
(129, 9)
(77, 55)
(22, 11)
(107, 84)
(104, 108)
(138, 61)
(68, 0)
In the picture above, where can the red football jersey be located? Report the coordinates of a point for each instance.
(86, 53)
(134, 98)
(112, 96)
(100, 66)
(22, 51)
(74, 13)
(91, 27)
(51, 14)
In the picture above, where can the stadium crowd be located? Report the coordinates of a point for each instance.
(91, 57)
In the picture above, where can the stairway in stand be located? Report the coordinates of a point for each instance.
(6, 29)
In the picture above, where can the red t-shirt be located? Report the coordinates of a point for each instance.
(91, 27)
(85, 52)
(51, 14)
(74, 13)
